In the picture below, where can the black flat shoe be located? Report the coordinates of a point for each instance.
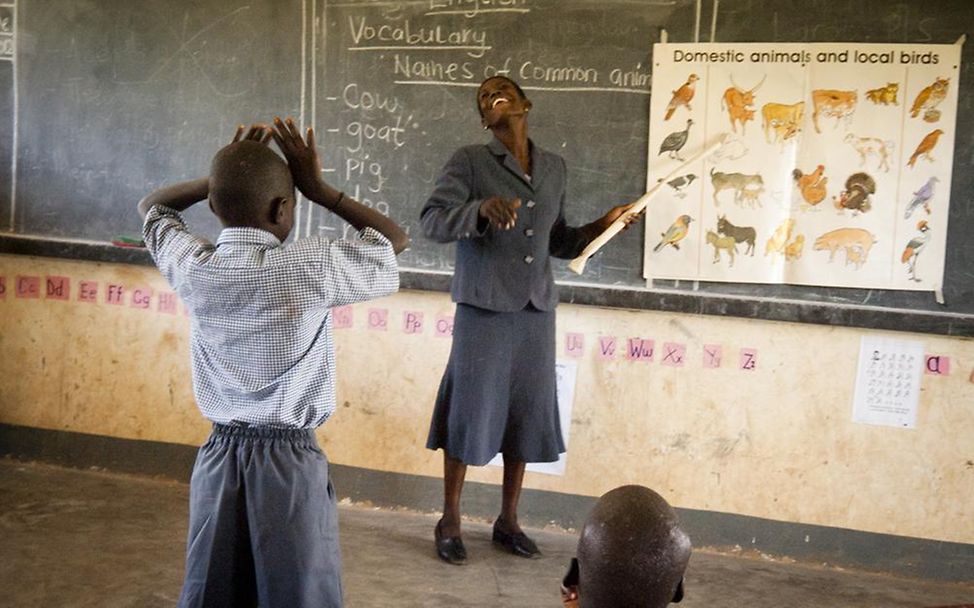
(450, 549)
(519, 544)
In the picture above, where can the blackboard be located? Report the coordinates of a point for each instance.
(586, 66)
(7, 110)
(116, 97)
(107, 99)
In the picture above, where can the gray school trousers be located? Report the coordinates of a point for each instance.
(263, 522)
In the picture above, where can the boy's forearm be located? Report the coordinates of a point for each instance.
(361, 216)
(179, 196)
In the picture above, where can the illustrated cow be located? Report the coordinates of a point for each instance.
(833, 104)
(740, 104)
(785, 120)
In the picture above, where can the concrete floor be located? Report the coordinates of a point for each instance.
(83, 538)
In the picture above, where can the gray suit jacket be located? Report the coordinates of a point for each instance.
(502, 270)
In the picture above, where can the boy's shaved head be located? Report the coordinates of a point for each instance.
(246, 177)
(632, 551)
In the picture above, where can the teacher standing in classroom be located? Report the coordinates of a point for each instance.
(503, 203)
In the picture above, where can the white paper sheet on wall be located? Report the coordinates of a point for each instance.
(837, 172)
(888, 382)
(566, 371)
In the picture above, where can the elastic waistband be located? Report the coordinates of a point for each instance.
(265, 432)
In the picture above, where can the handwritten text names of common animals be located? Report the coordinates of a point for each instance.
(435, 48)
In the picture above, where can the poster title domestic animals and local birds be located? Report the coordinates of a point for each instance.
(837, 171)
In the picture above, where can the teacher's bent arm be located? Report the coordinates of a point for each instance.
(567, 242)
(449, 213)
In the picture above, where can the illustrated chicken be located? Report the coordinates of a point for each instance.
(926, 146)
(675, 141)
(676, 233)
(682, 96)
(793, 250)
(914, 247)
(811, 185)
(921, 197)
(930, 97)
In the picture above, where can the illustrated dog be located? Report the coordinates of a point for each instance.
(872, 146)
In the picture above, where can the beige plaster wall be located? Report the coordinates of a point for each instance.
(777, 442)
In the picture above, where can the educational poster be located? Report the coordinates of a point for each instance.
(566, 371)
(837, 171)
(888, 382)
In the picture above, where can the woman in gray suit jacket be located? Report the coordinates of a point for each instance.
(503, 203)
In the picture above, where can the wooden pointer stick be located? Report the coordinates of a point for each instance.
(578, 264)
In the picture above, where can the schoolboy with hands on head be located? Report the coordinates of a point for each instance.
(263, 523)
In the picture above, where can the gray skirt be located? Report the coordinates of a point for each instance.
(498, 390)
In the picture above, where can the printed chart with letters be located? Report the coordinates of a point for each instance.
(888, 382)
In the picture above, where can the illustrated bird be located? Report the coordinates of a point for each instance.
(675, 141)
(679, 183)
(927, 144)
(675, 233)
(914, 247)
(930, 97)
(793, 250)
(856, 195)
(682, 96)
(921, 197)
(813, 186)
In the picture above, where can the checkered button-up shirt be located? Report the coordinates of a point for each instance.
(261, 341)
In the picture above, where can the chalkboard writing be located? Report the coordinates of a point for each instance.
(397, 99)
(104, 100)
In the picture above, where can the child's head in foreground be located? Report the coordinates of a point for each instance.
(632, 552)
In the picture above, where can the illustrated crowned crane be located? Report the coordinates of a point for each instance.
(914, 248)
